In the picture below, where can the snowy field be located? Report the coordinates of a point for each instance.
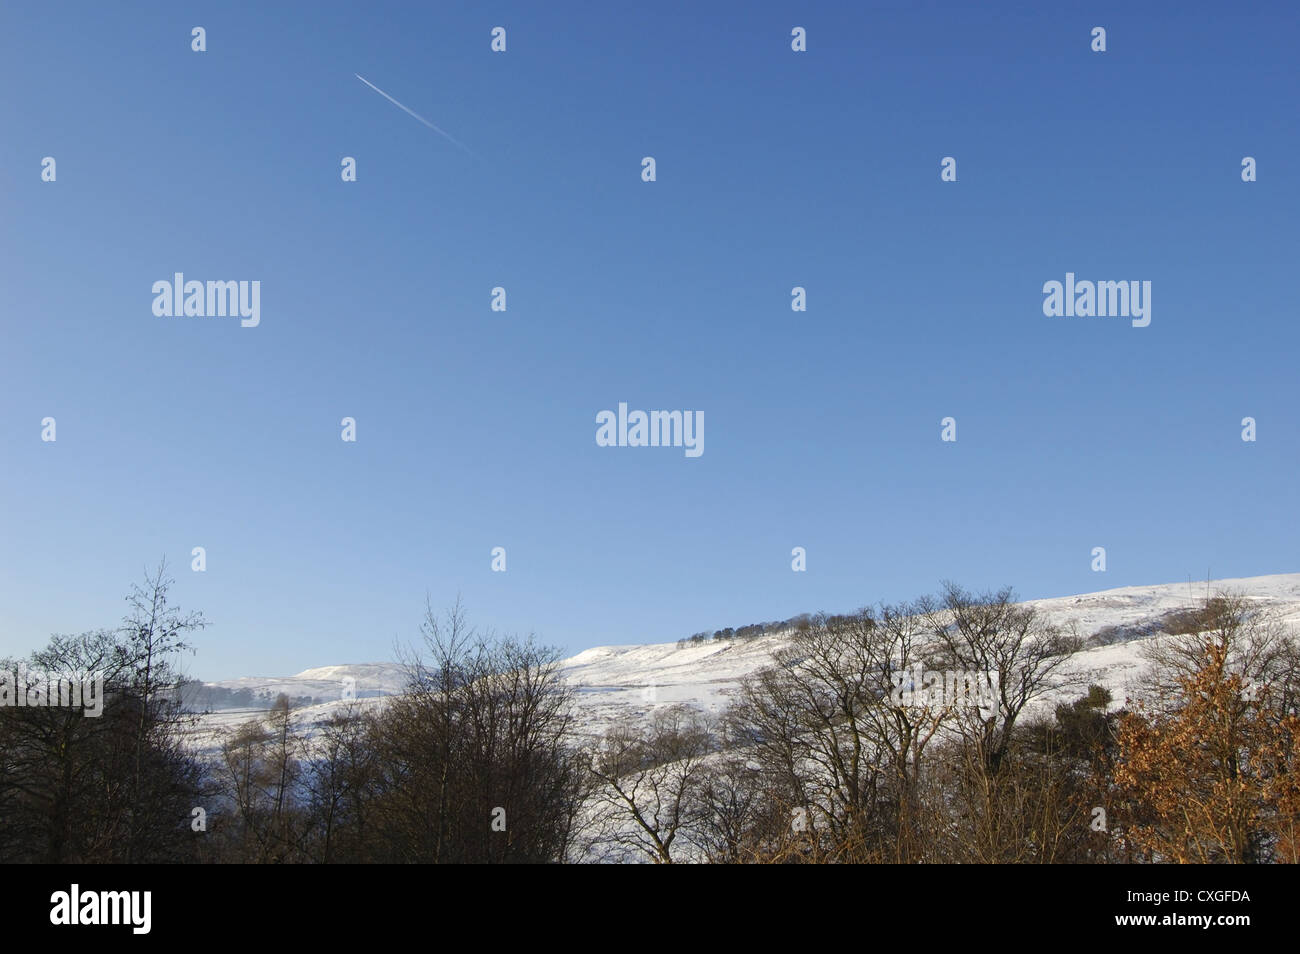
(615, 682)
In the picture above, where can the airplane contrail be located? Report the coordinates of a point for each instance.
(415, 114)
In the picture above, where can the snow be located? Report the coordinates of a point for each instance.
(615, 682)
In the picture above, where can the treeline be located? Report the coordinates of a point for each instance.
(115, 787)
(474, 762)
(751, 631)
(854, 746)
(197, 696)
(835, 754)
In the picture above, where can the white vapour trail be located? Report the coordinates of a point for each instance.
(415, 114)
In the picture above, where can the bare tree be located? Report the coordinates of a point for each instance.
(838, 741)
(992, 634)
(340, 782)
(259, 774)
(114, 788)
(649, 780)
(474, 760)
(154, 634)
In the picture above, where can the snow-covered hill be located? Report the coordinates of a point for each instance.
(612, 682)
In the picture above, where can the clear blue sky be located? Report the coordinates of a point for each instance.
(476, 429)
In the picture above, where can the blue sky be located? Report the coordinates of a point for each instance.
(476, 429)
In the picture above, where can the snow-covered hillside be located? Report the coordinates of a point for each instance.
(612, 682)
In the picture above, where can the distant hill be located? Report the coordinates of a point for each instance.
(612, 682)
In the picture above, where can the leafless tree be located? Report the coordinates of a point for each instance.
(993, 634)
(474, 760)
(649, 779)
